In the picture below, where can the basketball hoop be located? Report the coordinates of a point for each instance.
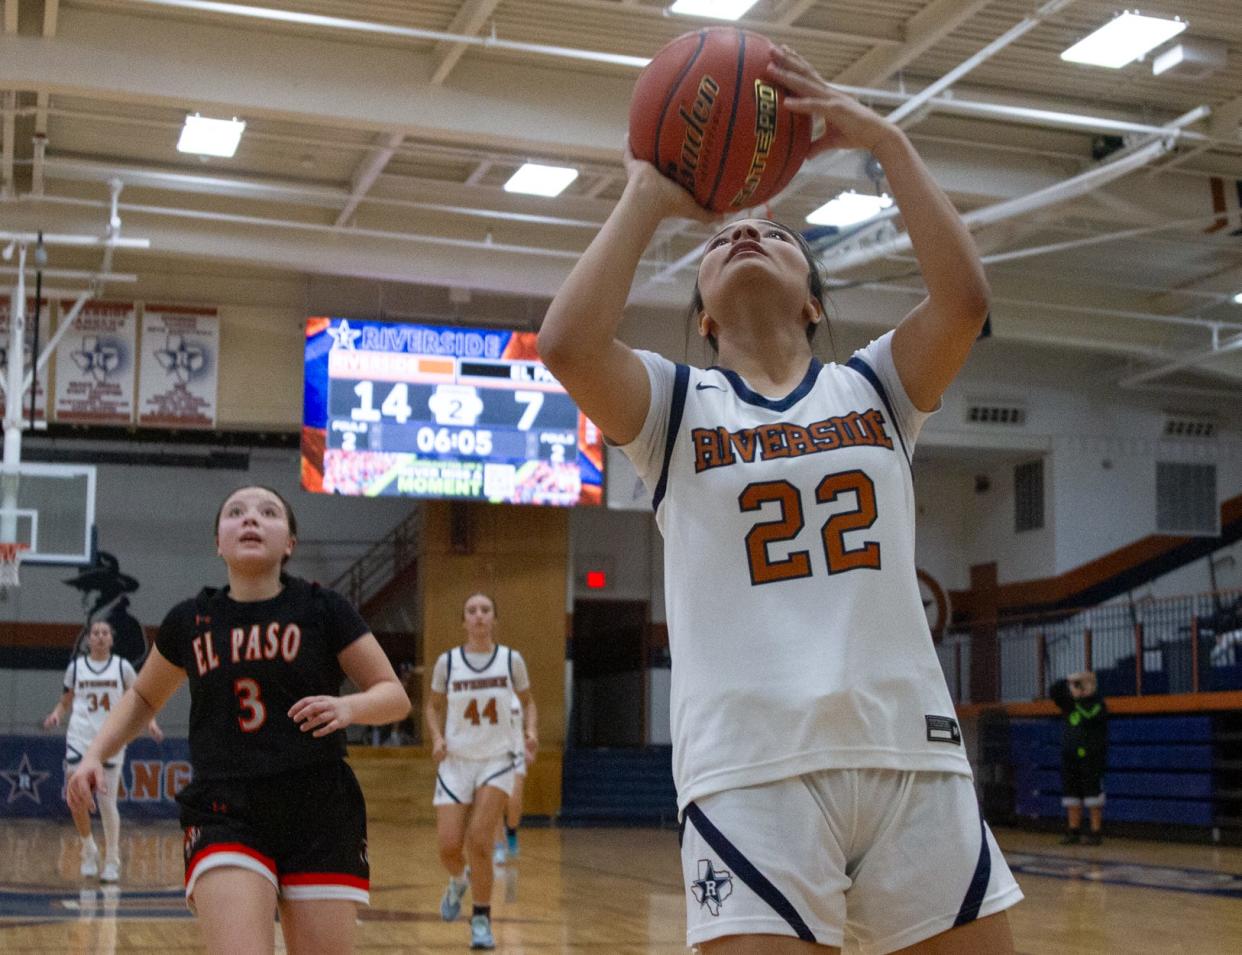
(10, 564)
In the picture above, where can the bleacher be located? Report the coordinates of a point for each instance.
(1162, 770)
(618, 787)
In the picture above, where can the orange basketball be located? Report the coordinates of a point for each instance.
(706, 115)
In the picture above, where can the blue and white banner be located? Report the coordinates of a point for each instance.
(32, 780)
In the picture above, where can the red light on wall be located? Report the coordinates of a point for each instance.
(596, 580)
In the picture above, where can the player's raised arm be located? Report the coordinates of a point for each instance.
(577, 340)
(931, 344)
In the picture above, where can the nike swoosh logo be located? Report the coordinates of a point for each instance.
(701, 386)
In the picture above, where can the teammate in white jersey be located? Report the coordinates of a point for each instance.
(468, 715)
(507, 828)
(94, 684)
(821, 777)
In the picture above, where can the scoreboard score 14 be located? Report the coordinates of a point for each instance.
(441, 412)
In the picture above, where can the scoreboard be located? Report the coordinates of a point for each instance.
(441, 412)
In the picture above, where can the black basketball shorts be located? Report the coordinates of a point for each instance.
(1082, 781)
(305, 831)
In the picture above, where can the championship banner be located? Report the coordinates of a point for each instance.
(95, 365)
(32, 778)
(179, 370)
(45, 332)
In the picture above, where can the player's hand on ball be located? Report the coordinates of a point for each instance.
(321, 715)
(848, 124)
(86, 780)
(673, 200)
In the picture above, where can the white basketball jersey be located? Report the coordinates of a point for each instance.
(477, 725)
(97, 690)
(796, 629)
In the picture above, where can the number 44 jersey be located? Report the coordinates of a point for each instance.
(247, 663)
(479, 688)
(797, 633)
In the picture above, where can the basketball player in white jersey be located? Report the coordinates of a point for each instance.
(821, 777)
(94, 684)
(506, 830)
(468, 715)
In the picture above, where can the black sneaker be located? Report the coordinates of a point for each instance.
(1071, 838)
(1094, 839)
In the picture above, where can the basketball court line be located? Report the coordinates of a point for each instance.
(1138, 875)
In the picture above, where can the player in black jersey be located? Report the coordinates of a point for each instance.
(274, 816)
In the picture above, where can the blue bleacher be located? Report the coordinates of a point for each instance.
(1160, 769)
(618, 787)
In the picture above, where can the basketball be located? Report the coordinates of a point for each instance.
(706, 115)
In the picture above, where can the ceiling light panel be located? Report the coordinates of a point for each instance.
(202, 136)
(715, 9)
(849, 208)
(1123, 40)
(535, 179)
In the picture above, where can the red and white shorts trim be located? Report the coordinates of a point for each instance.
(296, 886)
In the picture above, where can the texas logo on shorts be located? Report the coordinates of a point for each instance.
(712, 886)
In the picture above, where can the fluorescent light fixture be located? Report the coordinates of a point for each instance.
(849, 208)
(210, 137)
(1237, 299)
(1123, 40)
(716, 9)
(536, 180)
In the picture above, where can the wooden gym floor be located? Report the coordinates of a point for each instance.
(615, 891)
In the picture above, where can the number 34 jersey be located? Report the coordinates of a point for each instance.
(796, 629)
(247, 664)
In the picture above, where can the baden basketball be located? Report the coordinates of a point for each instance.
(706, 115)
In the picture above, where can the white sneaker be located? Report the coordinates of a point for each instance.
(111, 872)
(481, 932)
(90, 861)
(498, 857)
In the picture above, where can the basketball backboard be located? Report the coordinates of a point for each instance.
(49, 508)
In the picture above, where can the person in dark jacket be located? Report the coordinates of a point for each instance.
(1084, 746)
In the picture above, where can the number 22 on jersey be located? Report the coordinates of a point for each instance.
(765, 570)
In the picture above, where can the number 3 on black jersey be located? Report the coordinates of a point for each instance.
(253, 711)
(765, 570)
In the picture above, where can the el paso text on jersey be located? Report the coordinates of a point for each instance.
(246, 644)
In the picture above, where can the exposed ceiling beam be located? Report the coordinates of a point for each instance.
(367, 172)
(470, 19)
(479, 171)
(926, 28)
(355, 85)
(1226, 122)
(792, 12)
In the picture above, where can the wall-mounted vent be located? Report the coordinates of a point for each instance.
(996, 413)
(1186, 499)
(1179, 425)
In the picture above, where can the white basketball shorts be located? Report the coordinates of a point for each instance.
(888, 857)
(457, 779)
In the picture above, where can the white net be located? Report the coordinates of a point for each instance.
(10, 564)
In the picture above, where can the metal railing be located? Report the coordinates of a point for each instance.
(393, 553)
(1186, 644)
